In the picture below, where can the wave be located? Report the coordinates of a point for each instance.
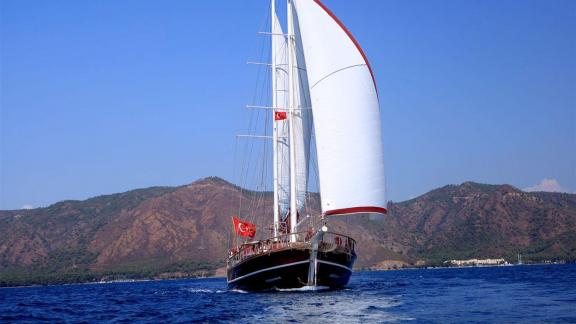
(304, 289)
(205, 291)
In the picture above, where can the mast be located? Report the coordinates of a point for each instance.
(274, 123)
(293, 208)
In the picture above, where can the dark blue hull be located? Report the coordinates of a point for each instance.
(288, 268)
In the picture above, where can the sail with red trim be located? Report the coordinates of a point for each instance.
(346, 113)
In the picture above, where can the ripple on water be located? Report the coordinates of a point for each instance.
(205, 291)
(336, 306)
(514, 294)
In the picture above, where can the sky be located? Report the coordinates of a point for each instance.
(98, 97)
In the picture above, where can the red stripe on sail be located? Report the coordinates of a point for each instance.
(356, 210)
(351, 38)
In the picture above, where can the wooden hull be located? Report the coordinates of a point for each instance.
(288, 268)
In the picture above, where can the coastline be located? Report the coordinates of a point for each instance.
(218, 274)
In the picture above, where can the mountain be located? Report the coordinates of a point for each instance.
(477, 220)
(184, 231)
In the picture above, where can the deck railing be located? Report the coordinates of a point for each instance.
(330, 242)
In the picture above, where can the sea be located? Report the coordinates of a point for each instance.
(504, 294)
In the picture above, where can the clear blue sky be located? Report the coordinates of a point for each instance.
(105, 96)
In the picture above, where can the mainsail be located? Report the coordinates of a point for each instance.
(280, 63)
(301, 121)
(346, 113)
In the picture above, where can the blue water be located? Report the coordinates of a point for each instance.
(495, 294)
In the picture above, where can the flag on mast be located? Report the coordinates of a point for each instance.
(279, 115)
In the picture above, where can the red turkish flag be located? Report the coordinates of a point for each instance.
(279, 115)
(243, 228)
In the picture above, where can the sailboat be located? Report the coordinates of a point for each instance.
(323, 89)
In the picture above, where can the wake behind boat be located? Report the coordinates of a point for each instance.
(322, 88)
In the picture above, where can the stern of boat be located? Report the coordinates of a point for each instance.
(286, 262)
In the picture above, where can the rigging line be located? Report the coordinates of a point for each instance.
(266, 148)
(263, 22)
(254, 203)
(267, 122)
(264, 97)
(245, 164)
(254, 182)
(254, 175)
(262, 188)
(257, 177)
(235, 170)
(249, 151)
(266, 161)
(246, 147)
(265, 155)
(252, 123)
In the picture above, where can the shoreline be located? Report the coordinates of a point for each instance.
(215, 276)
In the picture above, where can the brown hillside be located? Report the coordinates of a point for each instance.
(179, 229)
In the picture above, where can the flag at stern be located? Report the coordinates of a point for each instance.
(243, 228)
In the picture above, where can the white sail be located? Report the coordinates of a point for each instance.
(346, 114)
(280, 53)
(302, 122)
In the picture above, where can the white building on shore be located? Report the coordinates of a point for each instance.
(474, 262)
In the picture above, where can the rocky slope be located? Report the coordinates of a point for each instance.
(477, 220)
(183, 231)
